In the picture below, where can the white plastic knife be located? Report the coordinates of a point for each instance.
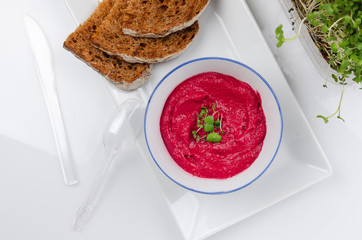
(43, 58)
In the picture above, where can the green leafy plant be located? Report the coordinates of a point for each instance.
(211, 127)
(334, 26)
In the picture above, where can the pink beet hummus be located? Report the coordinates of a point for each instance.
(243, 125)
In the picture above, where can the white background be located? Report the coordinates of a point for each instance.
(35, 204)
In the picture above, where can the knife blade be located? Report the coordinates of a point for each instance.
(43, 58)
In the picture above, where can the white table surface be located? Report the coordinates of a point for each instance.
(35, 204)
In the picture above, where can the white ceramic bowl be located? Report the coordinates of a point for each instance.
(159, 151)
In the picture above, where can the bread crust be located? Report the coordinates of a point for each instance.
(164, 29)
(110, 39)
(123, 74)
(120, 83)
(160, 18)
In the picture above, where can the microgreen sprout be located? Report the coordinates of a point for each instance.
(211, 127)
(213, 137)
(209, 124)
(338, 111)
(213, 107)
(334, 26)
(280, 34)
(203, 112)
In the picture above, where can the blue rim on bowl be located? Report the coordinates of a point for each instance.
(218, 59)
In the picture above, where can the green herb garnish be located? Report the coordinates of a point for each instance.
(211, 127)
(203, 112)
(217, 123)
(209, 124)
(213, 137)
(334, 25)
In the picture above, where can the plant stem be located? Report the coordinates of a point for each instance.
(330, 28)
(337, 111)
(299, 28)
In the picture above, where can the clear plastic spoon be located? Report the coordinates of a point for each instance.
(119, 136)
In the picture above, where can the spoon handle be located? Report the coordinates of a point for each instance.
(85, 210)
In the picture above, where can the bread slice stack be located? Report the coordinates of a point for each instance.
(123, 38)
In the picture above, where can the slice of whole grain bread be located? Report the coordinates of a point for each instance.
(109, 38)
(158, 18)
(124, 75)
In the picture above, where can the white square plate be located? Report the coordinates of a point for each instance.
(228, 29)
